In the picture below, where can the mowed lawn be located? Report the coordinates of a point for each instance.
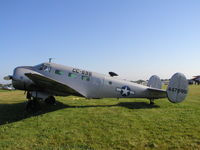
(78, 123)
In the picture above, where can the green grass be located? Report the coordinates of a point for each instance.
(3, 90)
(77, 123)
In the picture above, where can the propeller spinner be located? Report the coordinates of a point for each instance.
(9, 77)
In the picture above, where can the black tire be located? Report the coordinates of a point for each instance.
(152, 103)
(50, 100)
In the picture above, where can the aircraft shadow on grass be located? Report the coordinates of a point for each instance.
(130, 105)
(10, 113)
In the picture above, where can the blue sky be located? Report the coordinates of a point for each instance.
(135, 38)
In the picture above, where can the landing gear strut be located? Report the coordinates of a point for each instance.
(151, 101)
(33, 97)
(32, 105)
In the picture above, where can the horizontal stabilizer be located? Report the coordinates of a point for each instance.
(157, 93)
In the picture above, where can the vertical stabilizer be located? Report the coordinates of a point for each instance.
(154, 82)
(178, 88)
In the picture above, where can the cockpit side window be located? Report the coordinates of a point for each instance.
(44, 67)
(47, 68)
(40, 67)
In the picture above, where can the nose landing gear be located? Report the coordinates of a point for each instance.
(33, 104)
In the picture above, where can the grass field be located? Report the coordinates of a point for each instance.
(77, 123)
(3, 90)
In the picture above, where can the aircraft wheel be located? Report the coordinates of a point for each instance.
(32, 106)
(50, 100)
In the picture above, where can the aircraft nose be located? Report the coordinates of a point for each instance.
(19, 79)
(18, 73)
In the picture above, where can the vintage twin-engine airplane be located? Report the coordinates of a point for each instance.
(47, 80)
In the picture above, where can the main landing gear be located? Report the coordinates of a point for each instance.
(151, 101)
(50, 100)
(33, 104)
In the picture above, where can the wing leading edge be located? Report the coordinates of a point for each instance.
(50, 85)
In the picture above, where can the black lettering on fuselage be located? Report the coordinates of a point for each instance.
(83, 72)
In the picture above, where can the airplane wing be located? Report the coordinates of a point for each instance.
(157, 93)
(51, 85)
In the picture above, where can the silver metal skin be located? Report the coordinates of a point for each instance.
(19, 80)
(58, 80)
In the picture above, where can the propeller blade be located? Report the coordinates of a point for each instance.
(8, 77)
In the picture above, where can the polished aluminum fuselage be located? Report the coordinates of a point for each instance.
(97, 85)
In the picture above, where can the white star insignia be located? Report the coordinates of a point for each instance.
(125, 91)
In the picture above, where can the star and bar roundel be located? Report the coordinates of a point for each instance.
(125, 91)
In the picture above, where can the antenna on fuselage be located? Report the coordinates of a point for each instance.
(50, 60)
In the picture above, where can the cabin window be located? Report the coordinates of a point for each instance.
(110, 83)
(59, 72)
(85, 78)
(72, 75)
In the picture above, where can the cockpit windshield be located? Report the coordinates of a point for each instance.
(44, 67)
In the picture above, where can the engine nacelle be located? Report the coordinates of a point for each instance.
(40, 95)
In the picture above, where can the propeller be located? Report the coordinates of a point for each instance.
(9, 77)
